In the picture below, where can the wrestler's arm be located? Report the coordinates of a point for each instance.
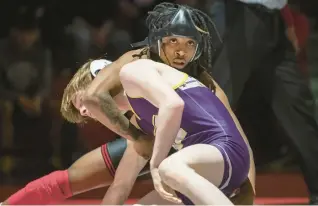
(98, 99)
(142, 76)
(126, 174)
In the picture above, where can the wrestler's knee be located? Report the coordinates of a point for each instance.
(172, 172)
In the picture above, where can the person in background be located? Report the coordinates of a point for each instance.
(259, 48)
(25, 82)
(297, 32)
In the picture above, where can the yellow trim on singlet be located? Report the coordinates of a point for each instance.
(139, 97)
(153, 120)
(176, 86)
(154, 124)
(182, 81)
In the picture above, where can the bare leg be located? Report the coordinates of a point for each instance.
(89, 172)
(196, 172)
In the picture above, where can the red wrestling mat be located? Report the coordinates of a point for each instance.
(272, 189)
(261, 201)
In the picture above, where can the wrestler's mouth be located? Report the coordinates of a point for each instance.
(179, 63)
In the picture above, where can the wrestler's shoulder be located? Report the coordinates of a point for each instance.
(126, 58)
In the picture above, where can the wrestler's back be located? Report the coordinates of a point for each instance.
(218, 101)
(205, 118)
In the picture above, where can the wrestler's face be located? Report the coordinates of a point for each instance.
(77, 101)
(177, 51)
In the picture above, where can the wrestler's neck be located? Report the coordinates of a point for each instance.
(189, 68)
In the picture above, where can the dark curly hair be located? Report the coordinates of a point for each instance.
(163, 13)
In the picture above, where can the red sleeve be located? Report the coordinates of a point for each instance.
(287, 16)
(301, 28)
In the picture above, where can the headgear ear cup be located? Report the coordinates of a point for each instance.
(98, 65)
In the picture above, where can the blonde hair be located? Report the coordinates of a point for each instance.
(80, 81)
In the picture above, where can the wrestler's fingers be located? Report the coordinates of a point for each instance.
(163, 192)
(168, 194)
(172, 199)
(138, 205)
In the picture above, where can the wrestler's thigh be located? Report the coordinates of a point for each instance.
(89, 172)
(153, 198)
(204, 159)
(114, 151)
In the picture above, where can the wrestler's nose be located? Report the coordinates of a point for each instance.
(83, 111)
(180, 53)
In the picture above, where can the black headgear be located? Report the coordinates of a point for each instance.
(181, 25)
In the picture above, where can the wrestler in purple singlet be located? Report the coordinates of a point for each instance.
(205, 120)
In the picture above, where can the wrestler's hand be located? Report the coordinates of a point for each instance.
(164, 190)
(144, 146)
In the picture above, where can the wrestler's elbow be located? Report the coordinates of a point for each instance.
(173, 103)
(177, 103)
(93, 95)
(92, 92)
(90, 99)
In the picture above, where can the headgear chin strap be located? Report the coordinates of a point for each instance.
(98, 65)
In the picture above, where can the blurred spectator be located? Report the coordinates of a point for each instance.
(299, 24)
(192, 3)
(258, 57)
(309, 8)
(98, 37)
(274, 145)
(216, 9)
(25, 68)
